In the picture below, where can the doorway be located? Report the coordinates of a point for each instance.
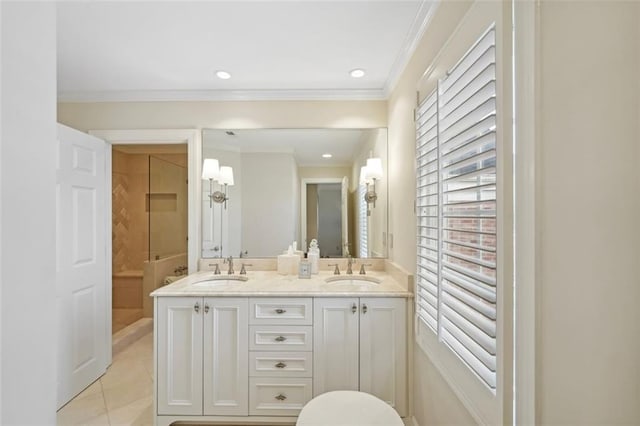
(325, 215)
(149, 220)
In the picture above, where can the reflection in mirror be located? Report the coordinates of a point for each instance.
(294, 185)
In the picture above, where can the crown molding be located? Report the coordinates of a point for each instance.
(222, 95)
(418, 27)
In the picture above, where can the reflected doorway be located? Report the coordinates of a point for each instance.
(325, 215)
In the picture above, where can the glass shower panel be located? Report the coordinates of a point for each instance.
(167, 207)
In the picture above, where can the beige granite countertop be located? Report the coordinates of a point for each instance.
(270, 283)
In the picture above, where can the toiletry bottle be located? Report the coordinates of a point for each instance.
(314, 256)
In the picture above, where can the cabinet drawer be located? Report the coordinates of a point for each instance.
(270, 396)
(280, 364)
(280, 338)
(289, 311)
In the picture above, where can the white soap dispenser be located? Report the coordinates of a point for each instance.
(314, 256)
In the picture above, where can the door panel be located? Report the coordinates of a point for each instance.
(383, 336)
(226, 362)
(335, 344)
(179, 346)
(81, 274)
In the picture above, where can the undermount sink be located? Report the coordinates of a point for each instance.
(220, 280)
(352, 280)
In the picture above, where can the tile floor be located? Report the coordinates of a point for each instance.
(123, 396)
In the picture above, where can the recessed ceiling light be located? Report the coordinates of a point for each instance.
(327, 155)
(357, 73)
(223, 75)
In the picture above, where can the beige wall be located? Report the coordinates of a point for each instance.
(130, 182)
(434, 403)
(223, 115)
(588, 344)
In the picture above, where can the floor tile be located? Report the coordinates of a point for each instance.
(137, 413)
(83, 410)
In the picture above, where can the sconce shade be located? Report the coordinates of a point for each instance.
(363, 176)
(210, 169)
(226, 176)
(374, 168)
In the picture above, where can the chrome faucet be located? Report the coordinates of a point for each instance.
(229, 260)
(335, 271)
(217, 271)
(350, 261)
(362, 265)
(243, 270)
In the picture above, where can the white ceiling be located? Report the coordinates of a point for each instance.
(170, 50)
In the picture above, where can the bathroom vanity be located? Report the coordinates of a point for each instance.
(256, 350)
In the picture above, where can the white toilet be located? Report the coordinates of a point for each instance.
(348, 408)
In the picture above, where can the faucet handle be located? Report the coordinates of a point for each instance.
(217, 271)
(362, 265)
(243, 270)
(337, 270)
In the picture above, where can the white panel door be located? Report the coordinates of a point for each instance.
(383, 353)
(335, 344)
(226, 356)
(179, 355)
(81, 274)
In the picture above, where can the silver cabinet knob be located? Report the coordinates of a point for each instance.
(196, 307)
(280, 339)
(281, 365)
(364, 309)
(280, 311)
(354, 308)
(281, 397)
(206, 308)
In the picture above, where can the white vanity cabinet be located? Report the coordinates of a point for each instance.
(252, 359)
(202, 356)
(361, 344)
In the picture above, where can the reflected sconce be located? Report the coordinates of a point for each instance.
(225, 179)
(211, 170)
(368, 175)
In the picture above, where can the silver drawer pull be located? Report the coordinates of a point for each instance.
(196, 307)
(354, 309)
(280, 339)
(364, 309)
(281, 365)
(206, 308)
(281, 397)
(280, 311)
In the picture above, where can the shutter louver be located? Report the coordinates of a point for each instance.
(362, 220)
(427, 210)
(456, 209)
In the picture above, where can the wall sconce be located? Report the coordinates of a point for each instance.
(211, 170)
(226, 179)
(368, 176)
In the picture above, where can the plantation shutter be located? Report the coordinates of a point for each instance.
(363, 249)
(461, 252)
(427, 211)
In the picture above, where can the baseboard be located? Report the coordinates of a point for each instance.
(123, 338)
(410, 421)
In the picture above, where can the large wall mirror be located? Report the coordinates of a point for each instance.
(264, 189)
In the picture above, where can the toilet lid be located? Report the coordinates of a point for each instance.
(348, 408)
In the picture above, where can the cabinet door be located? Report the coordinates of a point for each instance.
(383, 350)
(226, 356)
(179, 355)
(335, 344)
